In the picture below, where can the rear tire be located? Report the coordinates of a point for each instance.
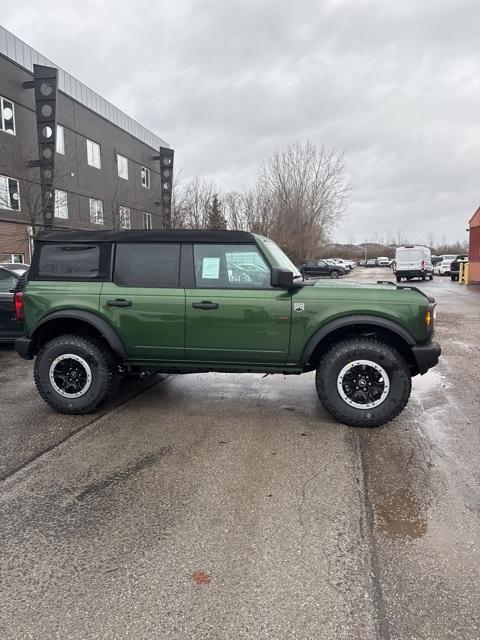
(75, 375)
(372, 404)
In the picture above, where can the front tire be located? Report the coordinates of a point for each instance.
(75, 375)
(334, 275)
(363, 382)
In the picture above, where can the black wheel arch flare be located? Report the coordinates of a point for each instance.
(98, 324)
(354, 322)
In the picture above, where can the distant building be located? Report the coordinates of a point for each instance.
(107, 165)
(474, 247)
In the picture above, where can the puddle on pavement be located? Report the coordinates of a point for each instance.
(402, 516)
(399, 471)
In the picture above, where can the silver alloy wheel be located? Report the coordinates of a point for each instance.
(363, 384)
(70, 375)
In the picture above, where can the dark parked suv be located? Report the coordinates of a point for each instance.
(99, 304)
(455, 267)
(315, 268)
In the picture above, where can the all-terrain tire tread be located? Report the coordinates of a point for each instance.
(102, 353)
(348, 345)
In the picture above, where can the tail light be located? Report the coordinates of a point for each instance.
(423, 264)
(18, 308)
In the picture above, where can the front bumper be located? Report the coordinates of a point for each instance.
(24, 348)
(426, 355)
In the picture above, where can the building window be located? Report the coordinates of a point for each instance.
(61, 204)
(12, 258)
(7, 116)
(9, 193)
(124, 217)
(145, 177)
(93, 154)
(122, 166)
(96, 211)
(147, 220)
(60, 139)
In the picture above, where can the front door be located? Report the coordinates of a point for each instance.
(234, 315)
(145, 303)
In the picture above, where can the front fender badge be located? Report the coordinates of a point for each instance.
(299, 306)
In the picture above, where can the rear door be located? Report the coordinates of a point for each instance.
(233, 315)
(8, 281)
(409, 260)
(145, 303)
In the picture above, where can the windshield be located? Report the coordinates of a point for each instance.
(281, 258)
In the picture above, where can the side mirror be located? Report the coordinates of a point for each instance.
(282, 278)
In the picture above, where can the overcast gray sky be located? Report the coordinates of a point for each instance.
(395, 84)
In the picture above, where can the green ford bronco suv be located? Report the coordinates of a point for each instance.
(99, 304)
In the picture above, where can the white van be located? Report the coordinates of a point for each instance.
(413, 262)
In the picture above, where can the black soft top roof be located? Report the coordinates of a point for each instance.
(148, 235)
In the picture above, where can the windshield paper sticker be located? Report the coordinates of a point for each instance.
(211, 268)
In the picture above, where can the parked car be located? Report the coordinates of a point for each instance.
(313, 268)
(442, 268)
(10, 328)
(455, 266)
(383, 261)
(413, 261)
(18, 267)
(371, 262)
(99, 304)
(346, 264)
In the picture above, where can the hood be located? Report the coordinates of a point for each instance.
(384, 288)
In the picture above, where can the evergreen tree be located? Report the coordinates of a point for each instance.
(215, 215)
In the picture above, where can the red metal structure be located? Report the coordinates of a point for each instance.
(474, 247)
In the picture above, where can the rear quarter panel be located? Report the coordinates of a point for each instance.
(42, 298)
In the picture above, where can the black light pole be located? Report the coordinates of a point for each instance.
(166, 184)
(45, 84)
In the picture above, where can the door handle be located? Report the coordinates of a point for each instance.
(119, 302)
(205, 304)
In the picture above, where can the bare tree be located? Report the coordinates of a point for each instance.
(299, 197)
(117, 205)
(306, 190)
(191, 203)
(30, 196)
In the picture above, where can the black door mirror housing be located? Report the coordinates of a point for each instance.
(282, 278)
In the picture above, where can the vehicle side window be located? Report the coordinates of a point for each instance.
(147, 265)
(7, 281)
(230, 267)
(69, 261)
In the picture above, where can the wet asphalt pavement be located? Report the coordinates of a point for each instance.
(232, 506)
